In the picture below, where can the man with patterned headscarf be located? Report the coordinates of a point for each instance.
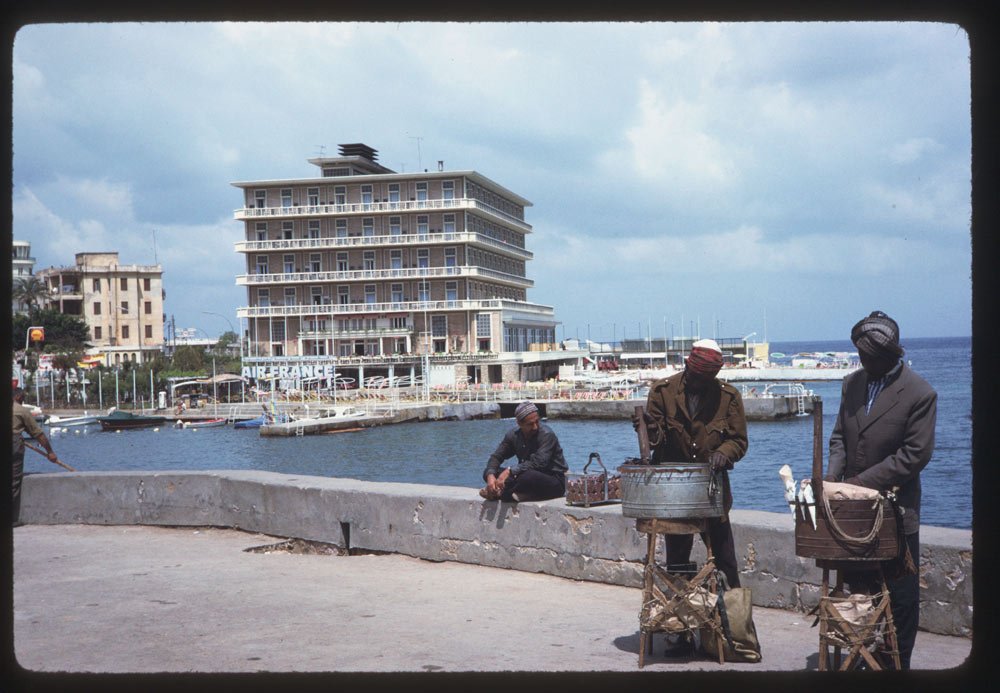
(540, 472)
(883, 438)
(694, 417)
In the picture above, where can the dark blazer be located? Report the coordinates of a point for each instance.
(892, 444)
(676, 435)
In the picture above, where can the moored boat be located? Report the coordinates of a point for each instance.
(123, 420)
(205, 423)
(84, 420)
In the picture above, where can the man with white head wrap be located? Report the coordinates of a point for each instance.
(540, 472)
(883, 438)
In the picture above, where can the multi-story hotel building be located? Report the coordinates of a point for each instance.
(22, 266)
(367, 271)
(122, 305)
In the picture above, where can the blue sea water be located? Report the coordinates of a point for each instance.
(453, 453)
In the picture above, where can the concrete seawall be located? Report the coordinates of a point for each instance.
(443, 523)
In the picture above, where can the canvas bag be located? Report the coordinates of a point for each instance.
(736, 609)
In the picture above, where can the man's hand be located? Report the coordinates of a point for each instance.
(52, 457)
(718, 462)
(502, 479)
(646, 419)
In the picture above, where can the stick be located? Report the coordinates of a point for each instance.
(46, 455)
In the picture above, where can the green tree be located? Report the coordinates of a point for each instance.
(62, 332)
(30, 290)
(188, 358)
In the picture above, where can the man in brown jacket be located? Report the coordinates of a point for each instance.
(23, 422)
(694, 417)
(883, 438)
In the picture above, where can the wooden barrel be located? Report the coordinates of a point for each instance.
(674, 490)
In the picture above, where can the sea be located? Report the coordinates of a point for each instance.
(454, 453)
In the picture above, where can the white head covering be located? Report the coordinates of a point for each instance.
(707, 344)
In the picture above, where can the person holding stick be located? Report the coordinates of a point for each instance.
(23, 421)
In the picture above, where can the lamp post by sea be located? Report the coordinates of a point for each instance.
(239, 338)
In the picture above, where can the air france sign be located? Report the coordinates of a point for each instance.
(289, 372)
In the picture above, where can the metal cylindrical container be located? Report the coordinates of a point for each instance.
(670, 491)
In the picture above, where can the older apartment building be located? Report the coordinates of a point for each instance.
(374, 272)
(122, 305)
(22, 266)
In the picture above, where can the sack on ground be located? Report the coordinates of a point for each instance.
(739, 612)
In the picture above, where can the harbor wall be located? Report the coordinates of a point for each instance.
(444, 523)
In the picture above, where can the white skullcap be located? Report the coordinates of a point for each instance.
(707, 344)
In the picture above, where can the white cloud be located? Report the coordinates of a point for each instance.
(912, 150)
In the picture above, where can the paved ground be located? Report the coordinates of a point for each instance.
(150, 599)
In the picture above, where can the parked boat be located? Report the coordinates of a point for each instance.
(67, 421)
(205, 423)
(123, 420)
(250, 423)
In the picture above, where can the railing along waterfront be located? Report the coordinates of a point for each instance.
(280, 311)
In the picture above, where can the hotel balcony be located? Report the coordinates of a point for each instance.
(304, 244)
(369, 208)
(356, 334)
(359, 275)
(367, 309)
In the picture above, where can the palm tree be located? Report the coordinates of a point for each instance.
(29, 291)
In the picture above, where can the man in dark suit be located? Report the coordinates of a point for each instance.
(883, 438)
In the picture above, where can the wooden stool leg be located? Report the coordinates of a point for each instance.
(836, 648)
(824, 592)
(890, 625)
(645, 638)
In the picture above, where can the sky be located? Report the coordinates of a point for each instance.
(776, 179)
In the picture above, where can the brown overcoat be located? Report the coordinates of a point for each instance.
(677, 436)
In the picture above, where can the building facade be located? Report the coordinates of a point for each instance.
(22, 266)
(376, 272)
(122, 305)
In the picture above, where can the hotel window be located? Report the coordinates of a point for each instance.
(396, 293)
(263, 297)
(395, 226)
(290, 299)
(423, 291)
(421, 193)
(288, 264)
(277, 331)
(449, 223)
(393, 192)
(149, 331)
(343, 295)
(450, 257)
(342, 265)
(124, 283)
(262, 264)
(451, 291)
(146, 284)
(97, 286)
(366, 194)
(369, 260)
(368, 226)
(340, 194)
(439, 325)
(396, 259)
(398, 323)
(97, 332)
(287, 227)
(124, 331)
(423, 257)
(286, 197)
(260, 198)
(422, 225)
(314, 229)
(369, 293)
(484, 325)
(261, 229)
(97, 307)
(317, 295)
(314, 262)
(448, 189)
(313, 195)
(147, 307)
(341, 228)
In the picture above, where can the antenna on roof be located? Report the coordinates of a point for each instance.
(322, 150)
(418, 138)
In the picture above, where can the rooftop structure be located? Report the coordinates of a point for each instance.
(22, 266)
(385, 273)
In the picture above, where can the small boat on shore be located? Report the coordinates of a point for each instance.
(250, 423)
(124, 420)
